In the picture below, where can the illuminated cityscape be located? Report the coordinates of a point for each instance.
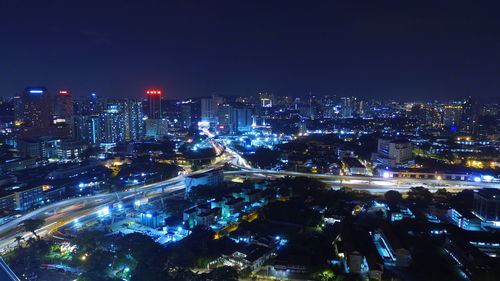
(194, 172)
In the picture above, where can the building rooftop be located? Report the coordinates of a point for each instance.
(6, 274)
(489, 193)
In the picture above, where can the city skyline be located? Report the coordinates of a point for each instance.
(400, 51)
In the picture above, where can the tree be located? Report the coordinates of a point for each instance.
(420, 195)
(325, 275)
(393, 198)
(18, 240)
(137, 245)
(442, 195)
(265, 157)
(89, 241)
(300, 186)
(224, 273)
(463, 199)
(32, 225)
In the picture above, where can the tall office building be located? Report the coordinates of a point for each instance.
(112, 124)
(470, 116)
(133, 119)
(242, 119)
(209, 107)
(63, 111)
(185, 116)
(87, 128)
(37, 115)
(452, 115)
(86, 120)
(347, 107)
(37, 108)
(153, 104)
(7, 111)
(63, 107)
(225, 118)
(90, 105)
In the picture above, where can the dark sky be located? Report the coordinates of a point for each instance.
(386, 49)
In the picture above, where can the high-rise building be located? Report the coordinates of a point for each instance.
(470, 116)
(225, 117)
(37, 108)
(153, 104)
(186, 109)
(37, 115)
(7, 111)
(63, 111)
(63, 107)
(87, 128)
(209, 107)
(133, 119)
(452, 115)
(156, 128)
(242, 119)
(112, 124)
(347, 107)
(90, 105)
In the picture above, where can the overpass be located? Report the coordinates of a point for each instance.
(368, 181)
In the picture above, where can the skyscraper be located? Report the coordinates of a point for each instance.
(347, 107)
(452, 115)
(112, 123)
(225, 117)
(242, 119)
(63, 105)
(37, 115)
(133, 119)
(209, 107)
(37, 108)
(470, 116)
(153, 104)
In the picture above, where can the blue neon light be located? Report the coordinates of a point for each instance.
(36, 91)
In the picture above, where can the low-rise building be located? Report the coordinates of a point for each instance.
(16, 164)
(71, 171)
(354, 167)
(210, 178)
(248, 256)
(393, 153)
(8, 202)
(29, 198)
(390, 247)
(358, 253)
(464, 219)
(487, 206)
(152, 219)
(208, 217)
(234, 206)
(189, 217)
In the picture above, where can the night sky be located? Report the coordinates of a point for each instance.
(383, 49)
